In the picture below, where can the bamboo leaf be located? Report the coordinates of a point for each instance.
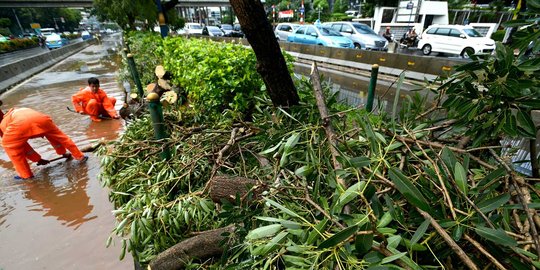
(349, 194)
(282, 208)
(420, 231)
(264, 231)
(497, 236)
(407, 188)
(393, 257)
(363, 242)
(359, 162)
(461, 178)
(493, 203)
(339, 237)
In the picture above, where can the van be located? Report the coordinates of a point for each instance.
(455, 39)
(361, 35)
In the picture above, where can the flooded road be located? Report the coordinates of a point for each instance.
(62, 218)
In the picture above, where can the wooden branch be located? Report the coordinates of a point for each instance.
(448, 239)
(484, 251)
(523, 198)
(224, 187)
(327, 125)
(203, 246)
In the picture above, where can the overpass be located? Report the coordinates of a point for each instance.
(88, 3)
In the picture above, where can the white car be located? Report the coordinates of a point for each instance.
(193, 28)
(455, 39)
(283, 30)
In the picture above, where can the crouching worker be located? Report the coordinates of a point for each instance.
(93, 101)
(19, 125)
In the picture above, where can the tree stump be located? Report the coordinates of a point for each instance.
(224, 187)
(202, 246)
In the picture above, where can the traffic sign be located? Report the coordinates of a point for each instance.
(35, 26)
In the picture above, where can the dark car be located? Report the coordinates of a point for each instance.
(237, 31)
(226, 28)
(212, 31)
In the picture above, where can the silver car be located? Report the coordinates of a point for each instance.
(283, 30)
(361, 35)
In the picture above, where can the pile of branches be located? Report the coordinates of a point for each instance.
(320, 186)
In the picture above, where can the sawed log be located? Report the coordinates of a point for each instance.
(203, 246)
(224, 187)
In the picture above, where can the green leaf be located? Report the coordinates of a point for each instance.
(282, 208)
(497, 236)
(525, 122)
(461, 178)
(264, 231)
(349, 194)
(304, 171)
(393, 257)
(339, 237)
(530, 65)
(317, 232)
(515, 23)
(385, 220)
(292, 141)
(420, 232)
(406, 187)
(359, 162)
(493, 203)
(363, 242)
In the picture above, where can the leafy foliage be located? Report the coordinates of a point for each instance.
(397, 171)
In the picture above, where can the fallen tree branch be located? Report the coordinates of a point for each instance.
(448, 239)
(524, 202)
(484, 251)
(203, 246)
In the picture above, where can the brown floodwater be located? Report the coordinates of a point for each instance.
(61, 219)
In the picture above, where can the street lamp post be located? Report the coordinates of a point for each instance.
(319, 10)
(410, 6)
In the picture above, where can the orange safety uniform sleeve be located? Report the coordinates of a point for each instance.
(79, 100)
(108, 103)
(22, 124)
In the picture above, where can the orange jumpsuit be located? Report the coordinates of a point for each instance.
(21, 124)
(94, 104)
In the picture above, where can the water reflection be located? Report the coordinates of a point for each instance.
(61, 193)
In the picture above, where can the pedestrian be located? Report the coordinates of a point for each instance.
(19, 125)
(388, 35)
(93, 101)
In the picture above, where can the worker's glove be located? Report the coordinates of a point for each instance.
(43, 162)
(116, 117)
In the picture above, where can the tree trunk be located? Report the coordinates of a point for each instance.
(228, 187)
(201, 247)
(270, 62)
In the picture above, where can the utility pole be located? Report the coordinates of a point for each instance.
(18, 22)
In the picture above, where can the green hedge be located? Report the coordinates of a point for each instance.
(17, 44)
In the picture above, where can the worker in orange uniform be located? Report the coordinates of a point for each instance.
(93, 101)
(19, 125)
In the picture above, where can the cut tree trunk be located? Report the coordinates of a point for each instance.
(270, 62)
(203, 246)
(225, 187)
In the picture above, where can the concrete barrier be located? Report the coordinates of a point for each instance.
(16, 72)
(416, 67)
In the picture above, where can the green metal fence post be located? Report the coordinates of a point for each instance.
(156, 113)
(371, 87)
(135, 74)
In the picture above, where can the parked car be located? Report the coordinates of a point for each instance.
(86, 35)
(212, 31)
(193, 28)
(319, 35)
(54, 41)
(227, 29)
(237, 31)
(3, 39)
(360, 34)
(455, 39)
(283, 30)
